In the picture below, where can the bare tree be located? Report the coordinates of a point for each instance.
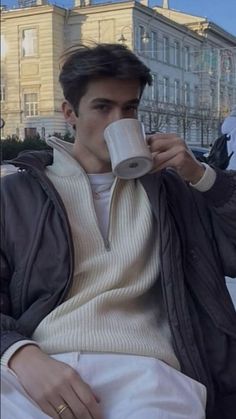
(185, 119)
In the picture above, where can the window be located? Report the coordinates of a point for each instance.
(211, 62)
(165, 89)
(222, 94)
(3, 47)
(212, 97)
(29, 43)
(176, 92)
(196, 97)
(186, 94)
(30, 132)
(179, 126)
(153, 44)
(31, 104)
(2, 93)
(43, 133)
(186, 58)
(141, 32)
(154, 87)
(230, 98)
(176, 57)
(165, 49)
(227, 67)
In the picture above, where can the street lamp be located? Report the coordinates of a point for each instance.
(145, 37)
(2, 123)
(123, 39)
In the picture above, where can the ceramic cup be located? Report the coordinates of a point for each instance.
(129, 153)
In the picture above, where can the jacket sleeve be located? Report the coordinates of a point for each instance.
(221, 201)
(9, 333)
(36, 244)
(5, 280)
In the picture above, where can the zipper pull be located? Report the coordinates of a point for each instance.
(107, 245)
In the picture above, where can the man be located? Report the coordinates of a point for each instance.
(114, 299)
(223, 151)
(229, 128)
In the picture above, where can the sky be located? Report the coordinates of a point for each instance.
(221, 12)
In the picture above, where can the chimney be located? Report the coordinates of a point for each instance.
(165, 4)
(82, 3)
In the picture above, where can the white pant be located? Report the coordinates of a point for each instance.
(129, 387)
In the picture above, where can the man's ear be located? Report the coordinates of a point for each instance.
(69, 113)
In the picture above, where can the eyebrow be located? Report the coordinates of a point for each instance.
(109, 101)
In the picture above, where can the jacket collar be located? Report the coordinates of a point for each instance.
(33, 159)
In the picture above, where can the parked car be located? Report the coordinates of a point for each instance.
(199, 152)
(7, 169)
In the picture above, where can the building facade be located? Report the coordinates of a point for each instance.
(32, 40)
(192, 61)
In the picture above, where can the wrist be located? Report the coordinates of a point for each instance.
(198, 174)
(23, 353)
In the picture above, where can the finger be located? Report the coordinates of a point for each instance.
(47, 408)
(162, 135)
(173, 160)
(162, 166)
(89, 400)
(67, 413)
(77, 408)
(61, 408)
(160, 158)
(165, 144)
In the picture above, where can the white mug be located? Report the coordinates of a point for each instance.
(129, 153)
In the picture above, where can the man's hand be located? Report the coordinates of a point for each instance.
(170, 151)
(52, 383)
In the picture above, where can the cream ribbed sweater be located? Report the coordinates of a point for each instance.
(111, 306)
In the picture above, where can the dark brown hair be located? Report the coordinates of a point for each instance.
(82, 63)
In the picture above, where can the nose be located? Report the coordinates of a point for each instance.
(116, 115)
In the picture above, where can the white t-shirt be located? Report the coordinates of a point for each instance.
(101, 188)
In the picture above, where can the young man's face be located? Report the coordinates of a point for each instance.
(106, 100)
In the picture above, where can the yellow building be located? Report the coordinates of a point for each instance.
(190, 92)
(32, 41)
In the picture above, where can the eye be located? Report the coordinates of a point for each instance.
(133, 108)
(102, 107)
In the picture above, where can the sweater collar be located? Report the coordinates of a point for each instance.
(64, 163)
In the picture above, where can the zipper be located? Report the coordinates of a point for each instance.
(37, 173)
(106, 239)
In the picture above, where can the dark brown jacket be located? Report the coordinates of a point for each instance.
(197, 234)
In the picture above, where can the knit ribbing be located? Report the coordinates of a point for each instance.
(112, 305)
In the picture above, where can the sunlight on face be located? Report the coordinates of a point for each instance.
(106, 100)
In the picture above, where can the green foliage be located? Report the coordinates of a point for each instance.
(67, 137)
(12, 145)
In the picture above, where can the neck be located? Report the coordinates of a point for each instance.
(89, 161)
